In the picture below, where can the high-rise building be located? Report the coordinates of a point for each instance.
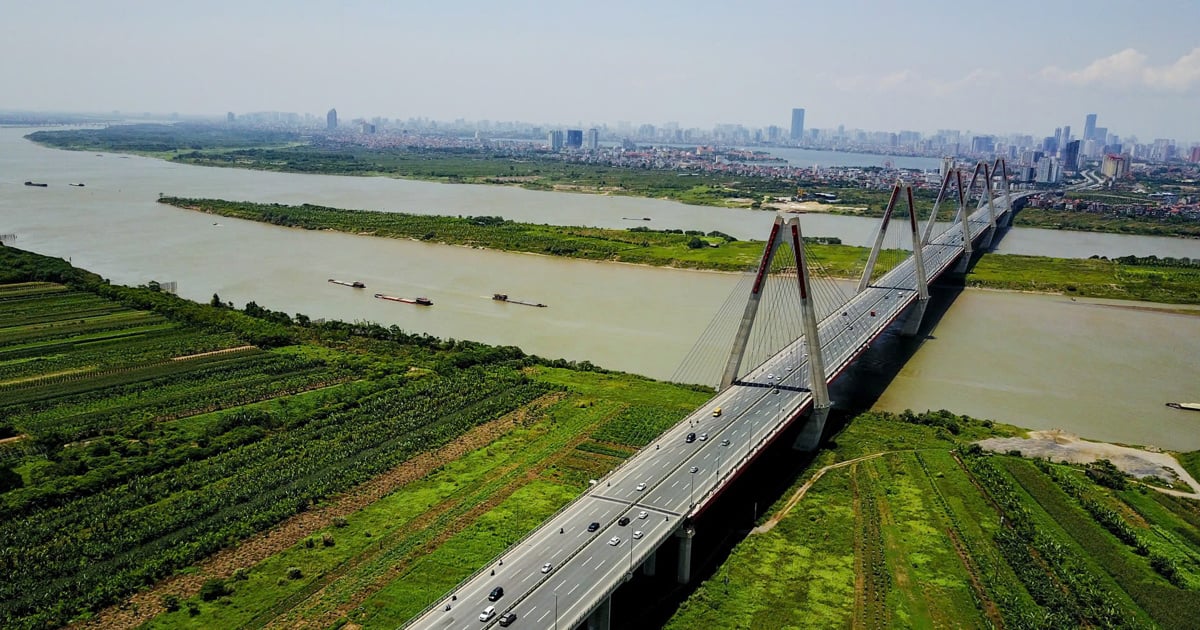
(1195, 155)
(1066, 137)
(331, 120)
(1048, 171)
(1070, 156)
(1089, 128)
(1114, 166)
(554, 140)
(593, 139)
(797, 124)
(574, 138)
(230, 117)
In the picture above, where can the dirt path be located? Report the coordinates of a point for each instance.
(295, 617)
(143, 606)
(214, 352)
(787, 507)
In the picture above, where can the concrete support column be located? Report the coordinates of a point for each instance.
(684, 573)
(601, 618)
(810, 436)
(913, 324)
(650, 564)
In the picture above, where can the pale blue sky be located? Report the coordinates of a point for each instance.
(921, 64)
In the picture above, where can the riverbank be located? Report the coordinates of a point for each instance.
(640, 245)
(1098, 278)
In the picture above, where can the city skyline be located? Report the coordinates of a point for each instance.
(855, 64)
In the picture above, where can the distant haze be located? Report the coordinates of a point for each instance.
(1022, 65)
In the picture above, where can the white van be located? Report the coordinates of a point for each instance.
(487, 613)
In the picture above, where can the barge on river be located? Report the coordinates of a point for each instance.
(421, 301)
(502, 297)
(354, 285)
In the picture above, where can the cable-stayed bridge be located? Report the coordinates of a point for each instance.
(563, 573)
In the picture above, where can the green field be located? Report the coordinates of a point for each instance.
(924, 536)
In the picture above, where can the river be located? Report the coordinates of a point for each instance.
(1026, 359)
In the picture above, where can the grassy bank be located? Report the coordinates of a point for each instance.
(688, 250)
(1093, 277)
(1173, 283)
(918, 536)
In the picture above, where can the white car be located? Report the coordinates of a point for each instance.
(641, 486)
(694, 469)
(546, 568)
(487, 613)
(642, 514)
(637, 534)
(614, 541)
(703, 436)
(771, 377)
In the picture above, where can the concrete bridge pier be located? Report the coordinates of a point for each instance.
(915, 315)
(683, 574)
(650, 564)
(601, 618)
(810, 435)
(986, 243)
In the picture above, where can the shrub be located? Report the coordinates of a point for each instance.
(212, 589)
(241, 574)
(339, 521)
(327, 539)
(294, 573)
(170, 602)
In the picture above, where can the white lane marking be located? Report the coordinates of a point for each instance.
(543, 616)
(573, 588)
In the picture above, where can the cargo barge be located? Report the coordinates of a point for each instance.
(354, 285)
(422, 301)
(1184, 406)
(501, 297)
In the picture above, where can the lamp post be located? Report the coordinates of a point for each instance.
(555, 610)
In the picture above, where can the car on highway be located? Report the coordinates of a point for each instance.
(724, 442)
(487, 613)
(703, 436)
(694, 469)
(642, 514)
(593, 526)
(496, 593)
(614, 541)
(507, 619)
(546, 568)
(641, 486)
(691, 437)
(770, 377)
(716, 412)
(623, 521)
(637, 534)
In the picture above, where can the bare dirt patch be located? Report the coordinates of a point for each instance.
(1059, 446)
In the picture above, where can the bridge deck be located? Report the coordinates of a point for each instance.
(586, 568)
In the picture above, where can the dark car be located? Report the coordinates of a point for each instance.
(593, 526)
(623, 521)
(691, 438)
(507, 618)
(496, 593)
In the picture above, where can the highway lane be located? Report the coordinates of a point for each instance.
(585, 566)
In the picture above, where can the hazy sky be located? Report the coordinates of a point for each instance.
(1029, 65)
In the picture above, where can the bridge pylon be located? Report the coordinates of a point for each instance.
(913, 323)
(786, 231)
(967, 248)
(986, 244)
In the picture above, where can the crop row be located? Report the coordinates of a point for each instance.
(79, 390)
(86, 553)
(53, 307)
(70, 328)
(637, 425)
(132, 346)
(1107, 518)
(1055, 565)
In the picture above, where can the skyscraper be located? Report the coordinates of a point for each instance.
(574, 138)
(554, 140)
(1089, 128)
(593, 139)
(331, 120)
(797, 124)
(1070, 156)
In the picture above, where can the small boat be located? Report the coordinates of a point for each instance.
(28, 183)
(354, 285)
(1184, 406)
(79, 185)
(423, 301)
(503, 297)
